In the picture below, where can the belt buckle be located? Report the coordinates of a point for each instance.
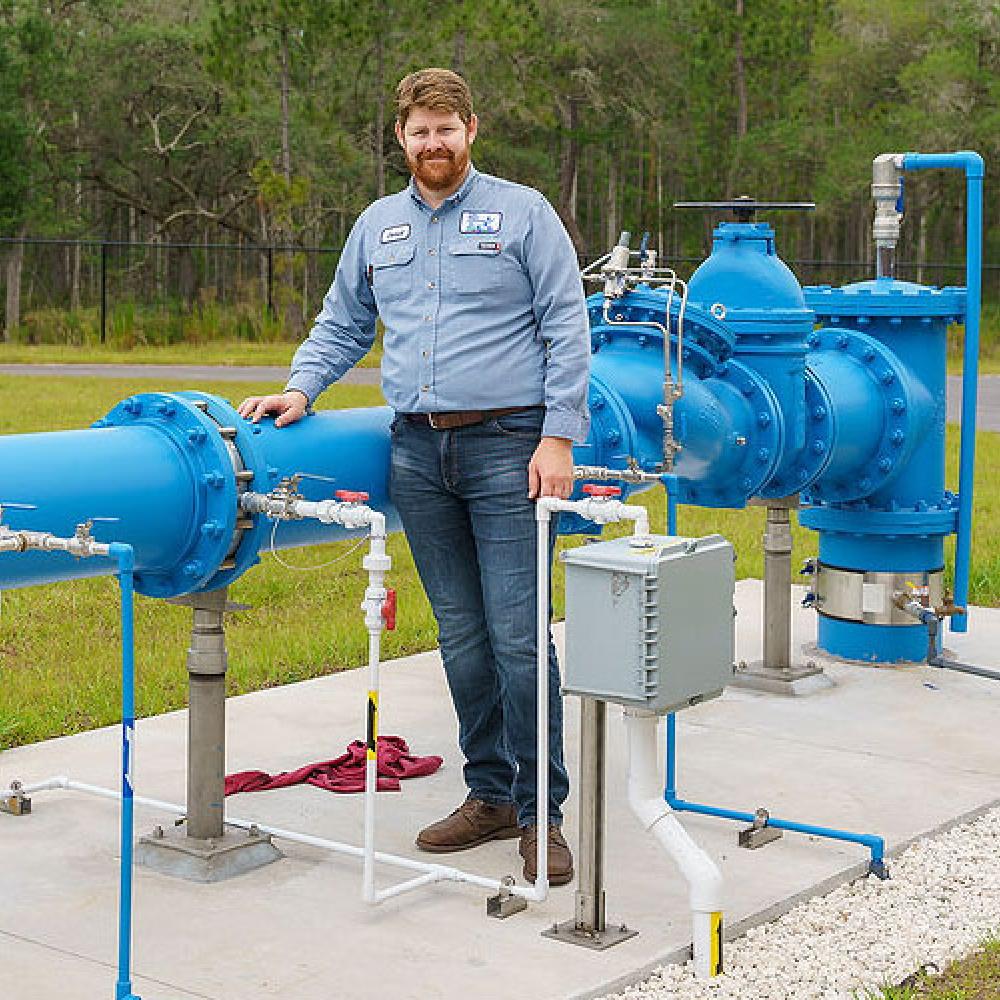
(430, 420)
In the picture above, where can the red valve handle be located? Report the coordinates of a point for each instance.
(389, 609)
(351, 496)
(593, 490)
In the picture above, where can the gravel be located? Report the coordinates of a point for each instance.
(942, 900)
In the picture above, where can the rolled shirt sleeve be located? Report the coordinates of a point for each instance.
(344, 331)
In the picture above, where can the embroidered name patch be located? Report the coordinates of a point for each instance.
(480, 222)
(395, 233)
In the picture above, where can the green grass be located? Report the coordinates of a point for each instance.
(205, 332)
(58, 654)
(989, 342)
(216, 352)
(974, 977)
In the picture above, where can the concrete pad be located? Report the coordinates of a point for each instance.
(895, 751)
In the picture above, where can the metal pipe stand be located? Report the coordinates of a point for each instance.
(776, 673)
(589, 927)
(206, 850)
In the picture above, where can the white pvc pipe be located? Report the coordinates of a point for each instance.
(602, 510)
(433, 872)
(542, 518)
(371, 775)
(376, 562)
(645, 796)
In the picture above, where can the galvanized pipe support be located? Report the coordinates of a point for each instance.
(776, 672)
(207, 663)
(588, 927)
(207, 850)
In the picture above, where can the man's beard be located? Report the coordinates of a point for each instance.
(442, 171)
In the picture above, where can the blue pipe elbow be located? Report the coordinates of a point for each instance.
(965, 159)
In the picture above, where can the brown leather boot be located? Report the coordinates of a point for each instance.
(560, 860)
(473, 823)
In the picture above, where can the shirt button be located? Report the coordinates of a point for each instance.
(434, 218)
(427, 319)
(432, 251)
(423, 354)
(430, 284)
(424, 388)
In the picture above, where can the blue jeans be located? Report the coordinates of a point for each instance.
(462, 496)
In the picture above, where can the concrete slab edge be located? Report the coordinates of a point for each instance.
(738, 928)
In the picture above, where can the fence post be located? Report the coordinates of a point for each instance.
(270, 282)
(104, 291)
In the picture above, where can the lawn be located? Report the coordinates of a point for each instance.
(58, 653)
(974, 977)
(212, 352)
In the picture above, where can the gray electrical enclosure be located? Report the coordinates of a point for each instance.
(650, 625)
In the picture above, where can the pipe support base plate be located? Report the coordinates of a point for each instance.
(568, 932)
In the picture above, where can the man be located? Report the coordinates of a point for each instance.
(486, 357)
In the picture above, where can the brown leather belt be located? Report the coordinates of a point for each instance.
(463, 418)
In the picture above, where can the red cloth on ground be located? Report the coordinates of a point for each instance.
(345, 773)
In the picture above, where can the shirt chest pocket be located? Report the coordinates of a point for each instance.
(392, 272)
(474, 267)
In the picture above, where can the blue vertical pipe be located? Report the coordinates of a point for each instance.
(972, 164)
(126, 565)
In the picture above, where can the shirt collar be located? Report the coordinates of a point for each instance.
(452, 199)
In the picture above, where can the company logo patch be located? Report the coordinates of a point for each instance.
(480, 222)
(489, 245)
(395, 233)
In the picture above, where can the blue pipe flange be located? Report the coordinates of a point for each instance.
(815, 456)
(883, 298)
(208, 462)
(694, 356)
(612, 442)
(613, 437)
(875, 433)
(705, 335)
(251, 472)
(731, 435)
(858, 521)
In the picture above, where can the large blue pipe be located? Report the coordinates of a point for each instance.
(972, 164)
(167, 469)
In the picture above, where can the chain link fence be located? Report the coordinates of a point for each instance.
(128, 293)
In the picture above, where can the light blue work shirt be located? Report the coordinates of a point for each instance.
(481, 301)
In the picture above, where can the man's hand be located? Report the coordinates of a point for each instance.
(550, 471)
(289, 407)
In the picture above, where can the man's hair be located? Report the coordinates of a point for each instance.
(435, 90)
